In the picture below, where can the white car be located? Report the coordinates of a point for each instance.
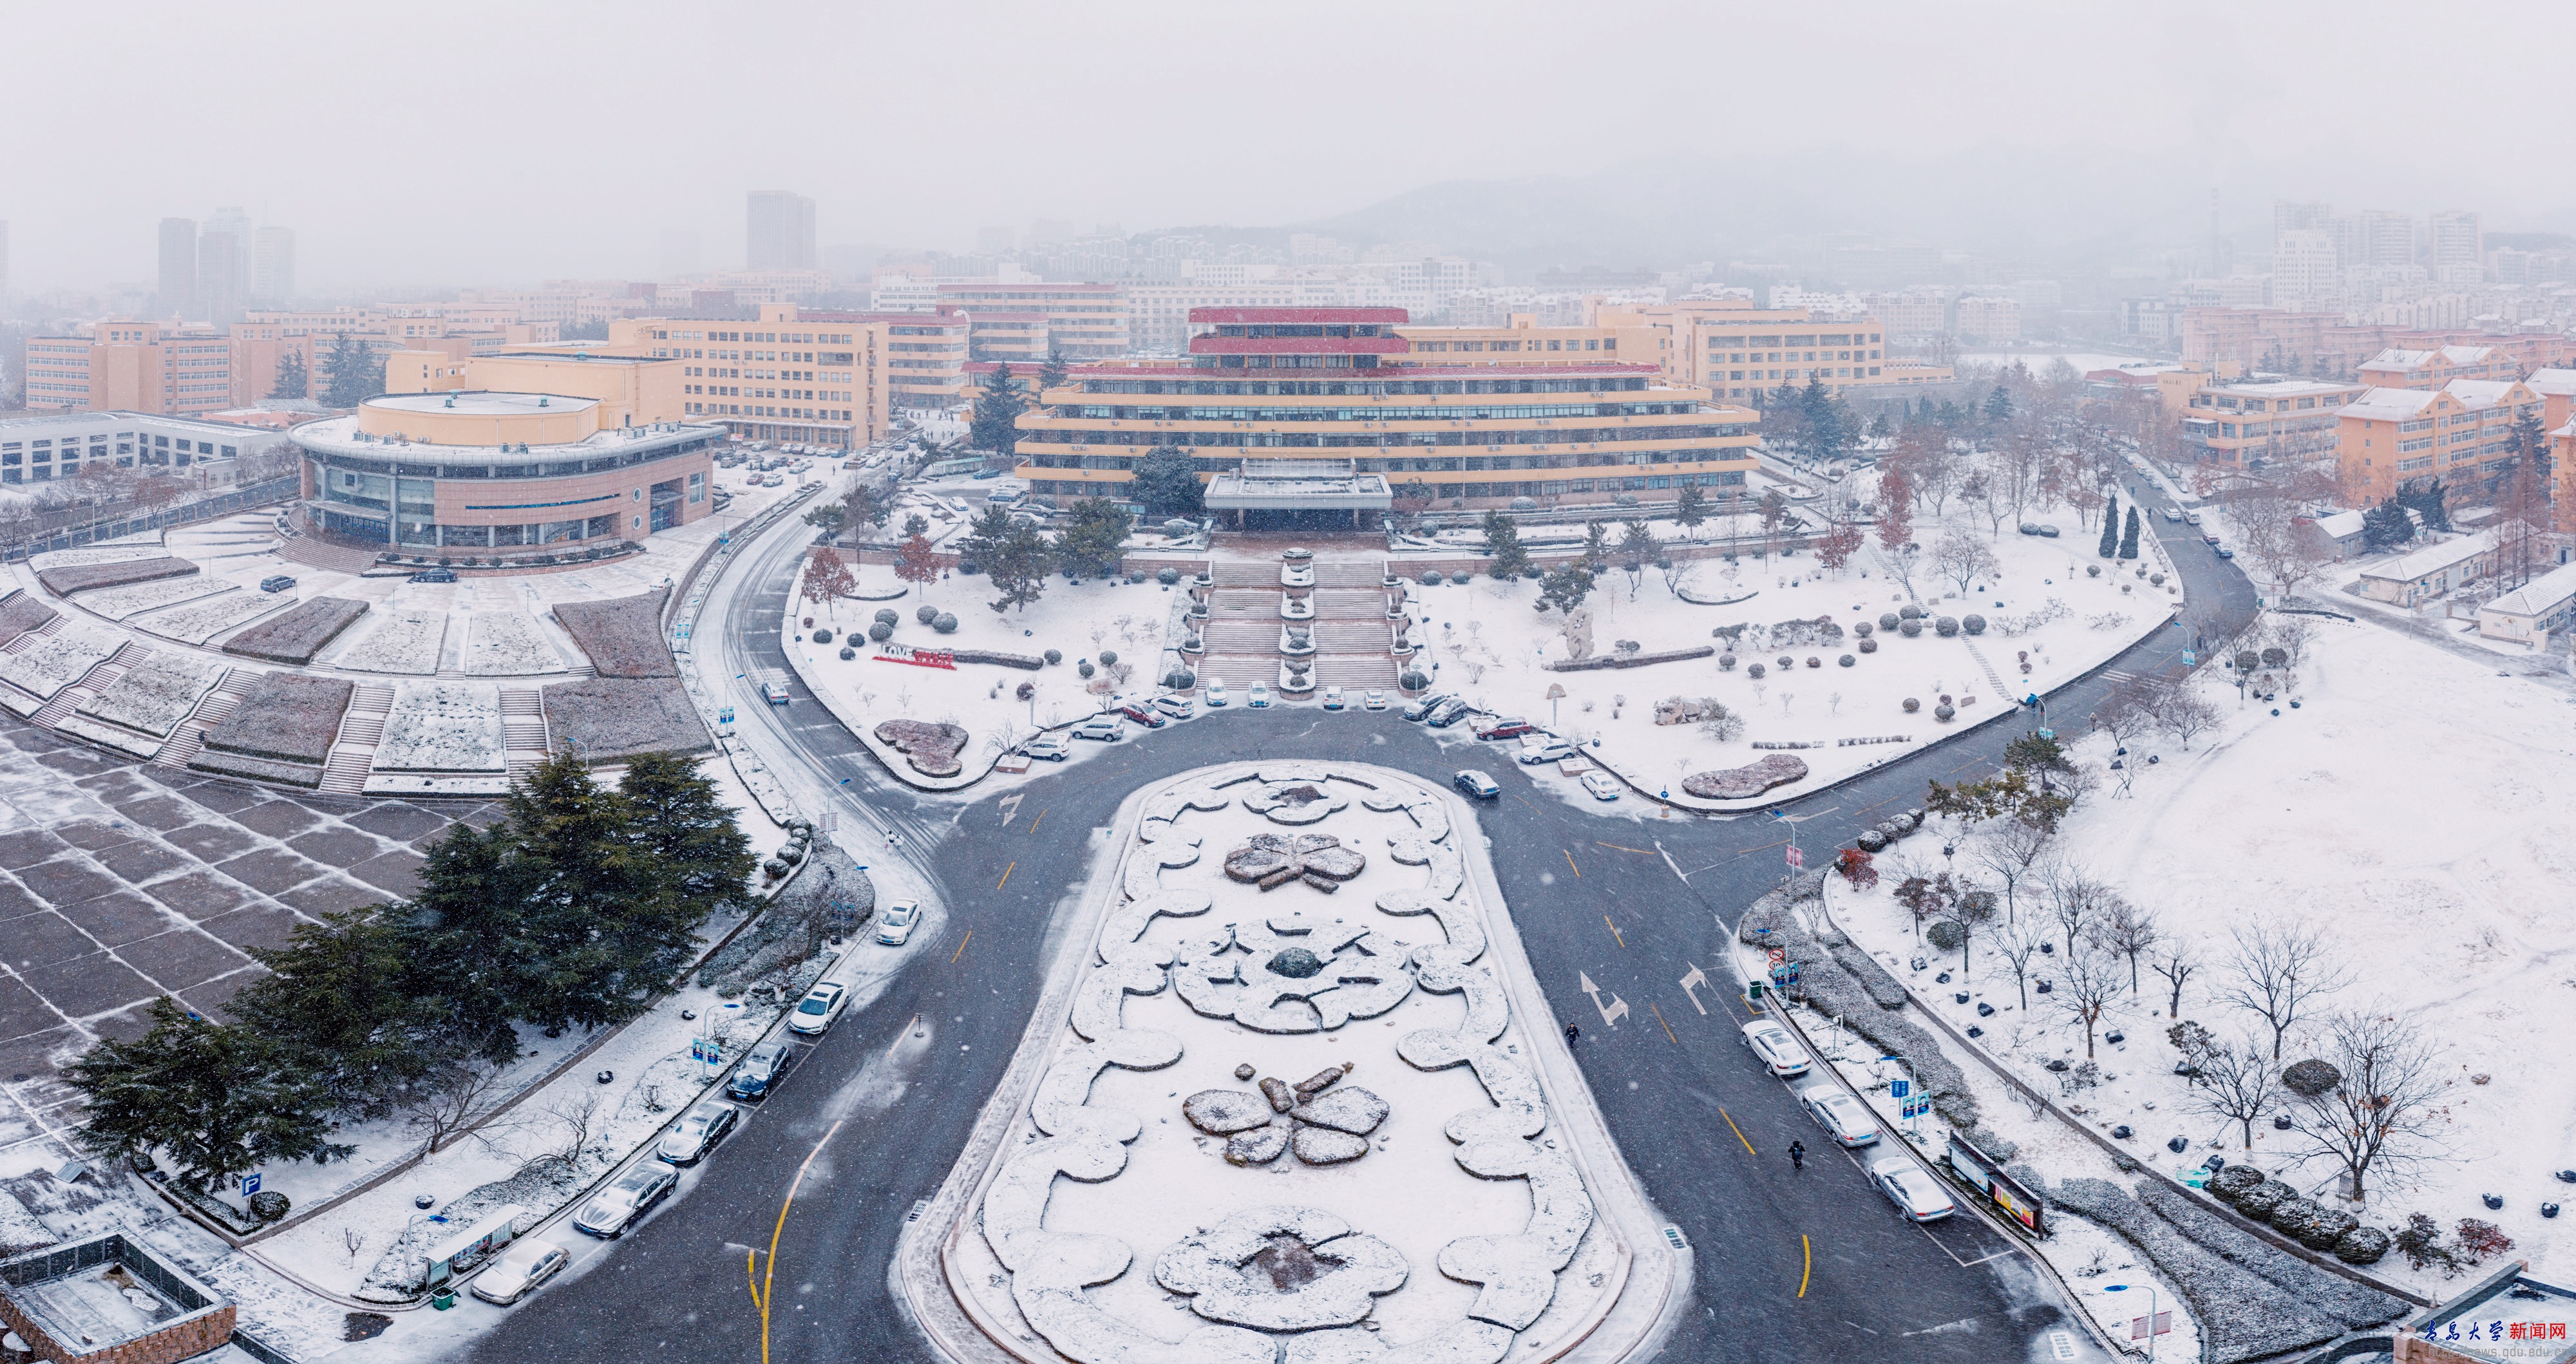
(1548, 749)
(2192, 517)
(521, 1269)
(1846, 1118)
(1104, 728)
(1601, 784)
(1332, 698)
(1914, 1191)
(1177, 707)
(815, 1013)
(1215, 693)
(894, 927)
(1260, 697)
(1053, 747)
(1372, 700)
(1777, 1050)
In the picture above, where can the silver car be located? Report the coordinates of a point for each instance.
(708, 1123)
(622, 1204)
(521, 1269)
(1916, 1193)
(1779, 1052)
(1846, 1118)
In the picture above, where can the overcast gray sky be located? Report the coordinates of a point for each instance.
(471, 142)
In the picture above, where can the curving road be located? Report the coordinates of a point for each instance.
(1789, 1266)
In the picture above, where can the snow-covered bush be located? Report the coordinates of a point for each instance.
(1167, 576)
(1946, 626)
(1084, 667)
(823, 636)
(1755, 670)
(1108, 657)
(1180, 679)
(1910, 611)
(1726, 663)
(1973, 624)
(1431, 579)
(1053, 656)
(1946, 934)
(2310, 1078)
(946, 624)
(1461, 579)
(848, 653)
(1887, 620)
(1847, 660)
(925, 613)
(2259, 1201)
(1868, 646)
(1909, 627)
(1912, 705)
(886, 616)
(881, 631)
(268, 1205)
(2362, 1246)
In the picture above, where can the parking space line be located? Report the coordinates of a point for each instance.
(1659, 1017)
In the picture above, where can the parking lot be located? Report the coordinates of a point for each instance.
(122, 882)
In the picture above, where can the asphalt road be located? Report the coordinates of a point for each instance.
(1790, 1266)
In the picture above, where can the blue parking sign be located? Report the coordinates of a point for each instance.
(250, 1184)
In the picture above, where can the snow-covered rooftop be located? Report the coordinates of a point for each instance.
(2481, 392)
(2433, 559)
(2553, 383)
(2391, 404)
(2540, 596)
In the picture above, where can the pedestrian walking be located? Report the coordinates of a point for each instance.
(1572, 1032)
(1797, 1155)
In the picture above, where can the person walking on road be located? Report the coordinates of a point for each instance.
(1797, 1155)
(1572, 1032)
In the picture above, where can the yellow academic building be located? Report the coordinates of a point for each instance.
(1344, 409)
(795, 375)
(1735, 350)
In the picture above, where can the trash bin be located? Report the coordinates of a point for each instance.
(443, 1299)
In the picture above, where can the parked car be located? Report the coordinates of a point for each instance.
(1215, 693)
(277, 582)
(710, 1122)
(1176, 706)
(1511, 728)
(1372, 700)
(1601, 784)
(1423, 705)
(1550, 749)
(2047, 531)
(894, 927)
(2192, 517)
(1846, 1118)
(1477, 784)
(1260, 696)
(816, 1012)
(519, 1271)
(1051, 746)
(2225, 553)
(988, 473)
(2030, 528)
(622, 1204)
(1912, 1189)
(1103, 728)
(434, 575)
(2209, 540)
(775, 693)
(761, 1071)
(1332, 698)
(2172, 515)
(1144, 714)
(1449, 713)
(1775, 1048)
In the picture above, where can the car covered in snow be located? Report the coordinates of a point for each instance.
(1846, 1118)
(1448, 713)
(520, 1270)
(1477, 784)
(761, 1071)
(621, 1205)
(816, 1011)
(1544, 748)
(1051, 746)
(1259, 698)
(1144, 714)
(1100, 728)
(1176, 706)
(1912, 1189)
(693, 1136)
(1215, 693)
(1423, 705)
(894, 927)
(1601, 784)
(1770, 1042)
(1332, 698)
(1372, 700)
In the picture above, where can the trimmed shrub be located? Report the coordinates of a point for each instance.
(2259, 1201)
(1461, 579)
(925, 613)
(1755, 670)
(1167, 576)
(1107, 657)
(1786, 662)
(1944, 711)
(1431, 579)
(1973, 624)
(969, 566)
(881, 631)
(1726, 662)
(946, 624)
(1946, 935)
(1815, 661)
(1862, 628)
(1946, 626)
(886, 616)
(1180, 679)
(1053, 656)
(268, 1205)
(1869, 646)
(2231, 1184)
(1912, 705)
(1084, 667)
(2361, 1246)
(1910, 628)
(2324, 1230)
(2310, 1078)
(1136, 577)
(2275, 657)
(1847, 660)
(1910, 611)
(1414, 681)
(848, 653)
(823, 636)
(1887, 620)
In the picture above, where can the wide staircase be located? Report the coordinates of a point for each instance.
(1351, 632)
(360, 731)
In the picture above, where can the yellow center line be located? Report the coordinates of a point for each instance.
(1006, 874)
(760, 1290)
(1668, 1028)
(1807, 1251)
(1614, 931)
(1569, 861)
(1738, 1131)
(1624, 848)
(1033, 824)
(961, 947)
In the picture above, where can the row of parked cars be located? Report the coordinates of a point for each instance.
(616, 1209)
(1847, 1120)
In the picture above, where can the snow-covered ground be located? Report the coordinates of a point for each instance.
(2045, 608)
(2411, 808)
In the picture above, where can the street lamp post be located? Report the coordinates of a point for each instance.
(2150, 1318)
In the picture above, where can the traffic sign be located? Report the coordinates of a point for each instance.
(1796, 858)
(1778, 955)
(250, 1184)
(1898, 1089)
(2190, 659)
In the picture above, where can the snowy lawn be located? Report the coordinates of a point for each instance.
(117, 603)
(404, 640)
(506, 643)
(2044, 609)
(2410, 811)
(54, 662)
(442, 727)
(155, 695)
(95, 554)
(202, 620)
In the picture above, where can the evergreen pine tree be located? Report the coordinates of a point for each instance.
(2129, 536)
(1566, 585)
(1999, 405)
(675, 815)
(1503, 545)
(343, 997)
(292, 382)
(985, 536)
(1167, 483)
(2386, 526)
(1018, 566)
(1596, 545)
(214, 1100)
(1053, 373)
(1087, 547)
(349, 374)
(994, 426)
(608, 921)
(2110, 525)
(1691, 508)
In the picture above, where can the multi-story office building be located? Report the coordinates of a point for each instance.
(796, 375)
(2456, 241)
(60, 445)
(2256, 423)
(129, 366)
(223, 265)
(1335, 397)
(1022, 339)
(1987, 319)
(2437, 366)
(272, 266)
(2461, 433)
(176, 292)
(2304, 266)
(507, 455)
(779, 231)
(1735, 350)
(265, 339)
(1084, 321)
(2385, 238)
(1158, 321)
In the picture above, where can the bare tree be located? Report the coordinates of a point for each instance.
(2008, 847)
(574, 1120)
(2175, 963)
(453, 1101)
(2076, 901)
(2279, 972)
(1962, 557)
(2018, 944)
(2092, 981)
(2181, 711)
(2125, 712)
(2237, 1082)
(2128, 930)
(2382, 1112)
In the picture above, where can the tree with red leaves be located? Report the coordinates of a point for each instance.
(1895, 513)
(915, 561)
(1855, 867)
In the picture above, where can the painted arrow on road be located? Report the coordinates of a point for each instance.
(1689, 982)
(1618, 1008)
(1010, 807)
